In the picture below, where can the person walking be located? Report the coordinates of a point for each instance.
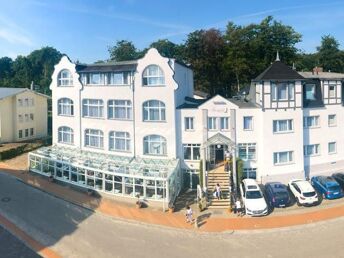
(188, 214)
(238, 207)
(218, 191)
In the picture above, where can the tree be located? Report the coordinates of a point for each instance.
(42, 65)
(250, 49)
(123, 51)
(168, 49)
(205, 51)
(330, 57)
(6, 71)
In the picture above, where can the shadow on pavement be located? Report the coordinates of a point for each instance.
(47, 217)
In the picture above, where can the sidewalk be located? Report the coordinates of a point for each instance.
(207, 221)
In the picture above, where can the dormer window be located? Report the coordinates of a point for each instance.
(65, 78)
(153, 76)
(282, 91)
(310, 92)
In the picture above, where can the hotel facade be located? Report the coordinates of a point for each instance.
(136, 127)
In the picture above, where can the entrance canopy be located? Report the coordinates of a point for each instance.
(219, 138)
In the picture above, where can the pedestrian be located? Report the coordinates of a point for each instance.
(188, 214)
(238, 207)
(218, 191)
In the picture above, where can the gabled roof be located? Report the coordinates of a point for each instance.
(7, 92)
(279, 71)
(108, 67)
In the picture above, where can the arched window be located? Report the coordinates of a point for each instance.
(154, 145)
(154, 110)
(65, 107)
(153, 76)
(65, 135)
(65, 78)
(119, 141)
(94, 138)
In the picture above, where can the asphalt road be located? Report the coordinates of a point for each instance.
(11, 247)
(73, 231)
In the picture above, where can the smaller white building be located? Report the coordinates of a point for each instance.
(23, 115)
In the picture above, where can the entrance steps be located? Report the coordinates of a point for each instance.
(221, 177)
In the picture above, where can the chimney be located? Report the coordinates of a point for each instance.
(31, 86)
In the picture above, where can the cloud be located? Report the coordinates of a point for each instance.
(14, 34)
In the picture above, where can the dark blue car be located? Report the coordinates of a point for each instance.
(277, 195)
(327, 186)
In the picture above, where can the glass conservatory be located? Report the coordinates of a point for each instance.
(152, 179)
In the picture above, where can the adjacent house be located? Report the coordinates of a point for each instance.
(23, 115)
(137, 127)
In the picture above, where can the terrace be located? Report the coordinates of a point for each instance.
(152, 179)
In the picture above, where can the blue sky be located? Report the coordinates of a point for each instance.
(83, 29)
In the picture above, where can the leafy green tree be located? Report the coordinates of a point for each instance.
(330, 57)
(168, 49)
(6, 71)
(42, 65)
(123, 51)
(205, 51)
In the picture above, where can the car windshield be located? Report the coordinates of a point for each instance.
(309, 194)
(253, 195)
(334, 188)
(281, 195)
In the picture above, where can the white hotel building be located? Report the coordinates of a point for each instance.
(136, 127)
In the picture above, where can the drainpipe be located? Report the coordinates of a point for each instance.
(133, 113)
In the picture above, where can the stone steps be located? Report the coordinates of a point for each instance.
(218, 176)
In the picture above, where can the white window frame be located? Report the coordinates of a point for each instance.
(98, 104)
(307, 124)
(192, 147)
(64, 133)
(101, 79)
(20, 134)
(26, 117)
(94, 135)
(189, 123)
(277, 128)
(212, 123)
(20, 118)
(332, 93)
(311, 150)
(65, 107)
(248, 154)
(224, 123)
(276, 90)
(148, 76)
(335, 148)
(32, 132)
(251, 127)
(277, 158)
(115, 136)
(154, 142)
(64, 78)
(313, 86)
(115, 104)
(149, 109)
(334, 120)
(125, 78)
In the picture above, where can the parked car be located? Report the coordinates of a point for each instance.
(327, 186)
(253, 198)
(303, 192)
(339, 177)
(277, 195)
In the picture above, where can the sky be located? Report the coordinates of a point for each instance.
(84, 29)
